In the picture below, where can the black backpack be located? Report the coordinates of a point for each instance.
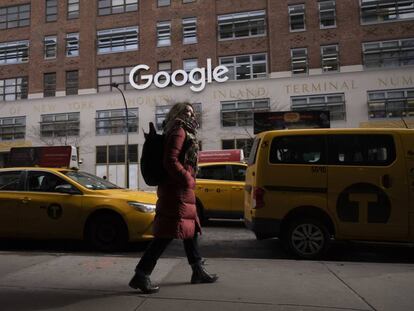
(152, 168)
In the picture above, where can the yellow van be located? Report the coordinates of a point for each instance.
(310, 186)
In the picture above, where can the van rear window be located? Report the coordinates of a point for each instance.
(361, 149)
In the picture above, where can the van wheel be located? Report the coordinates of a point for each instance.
(307, 238)
(107, 232)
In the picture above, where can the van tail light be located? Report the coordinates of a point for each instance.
(258, 197)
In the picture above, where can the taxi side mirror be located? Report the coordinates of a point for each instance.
(67, 188)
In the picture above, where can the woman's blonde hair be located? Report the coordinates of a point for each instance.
(179, 110)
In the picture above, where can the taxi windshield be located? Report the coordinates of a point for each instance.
(90, 181)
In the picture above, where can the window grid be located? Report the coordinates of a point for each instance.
(72, 82)
(392, 53)
(50, 47)
(162, 111)
(51, 10)
(190, 30)
(391, 103)
(241, 25)
(73, 9)
(49, 84)
(60, 125)
(240, 113)
(299, 59)
(72, 44)
(13, 88)
(297, 17)
(163, 34)
(14, 52)
(113, 121)
(238, 143)
(115, 154)
(108, 7)
(243, 67)
(330, 58)
(12, 128)
(118, 40)
(119, 75)
(327, 14)
(14, 16)
(334, 103)
(374, 12)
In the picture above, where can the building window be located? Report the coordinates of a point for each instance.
(299, 59)
(188, 1)
(240, 113)
(330, 58)
(12, 128)
(51, 10)
(243, 67)
(190, 64)
(164, 2)
(118, 40)
(14, 16)
(190, 30)
(373, 12)
(164, 66)
(242, 25)
(391, 103)
(49, 84)
(238, 143)
(60, 125)
(73, 9)
(393, 53)
(116, 154)
(14, 52)
(162, 111)
(13, 89)
(118, 75)
(164, 34)
(72, 82)
(114, 121)
(107, 7)
(334, 103)
(327, 14)
(72, 44)
(50, 47)
(297, 17)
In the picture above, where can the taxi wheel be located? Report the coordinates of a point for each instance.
(107, 232)
(307, 238)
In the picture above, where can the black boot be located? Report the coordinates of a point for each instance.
(200, 275)
(143, 282)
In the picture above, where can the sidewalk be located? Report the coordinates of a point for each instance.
(46, 282)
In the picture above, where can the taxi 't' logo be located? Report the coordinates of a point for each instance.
(54, 211)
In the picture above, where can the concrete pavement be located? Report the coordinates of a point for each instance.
(93, 282)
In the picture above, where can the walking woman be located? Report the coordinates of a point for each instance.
(176, 213)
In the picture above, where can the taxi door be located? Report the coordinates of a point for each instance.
(47, 213)
(368, 191)
(238, 173)
(10, 197)
(213, 188)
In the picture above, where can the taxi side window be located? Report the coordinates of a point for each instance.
(217, 172)
(43, 182)
(298, 150)
(10, 181)
(365, 149)
(239, 172)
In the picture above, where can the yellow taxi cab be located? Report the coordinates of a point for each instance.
(310, 186)
(219, 190)
(55, 203)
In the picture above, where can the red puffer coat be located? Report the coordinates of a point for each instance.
(176, 213)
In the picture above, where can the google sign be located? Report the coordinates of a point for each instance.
(197, 76)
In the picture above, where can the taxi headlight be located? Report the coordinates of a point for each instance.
(142, 207)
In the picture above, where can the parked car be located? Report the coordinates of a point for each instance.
(53, 203)
(219, 190)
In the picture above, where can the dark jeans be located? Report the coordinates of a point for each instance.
(158, 246)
